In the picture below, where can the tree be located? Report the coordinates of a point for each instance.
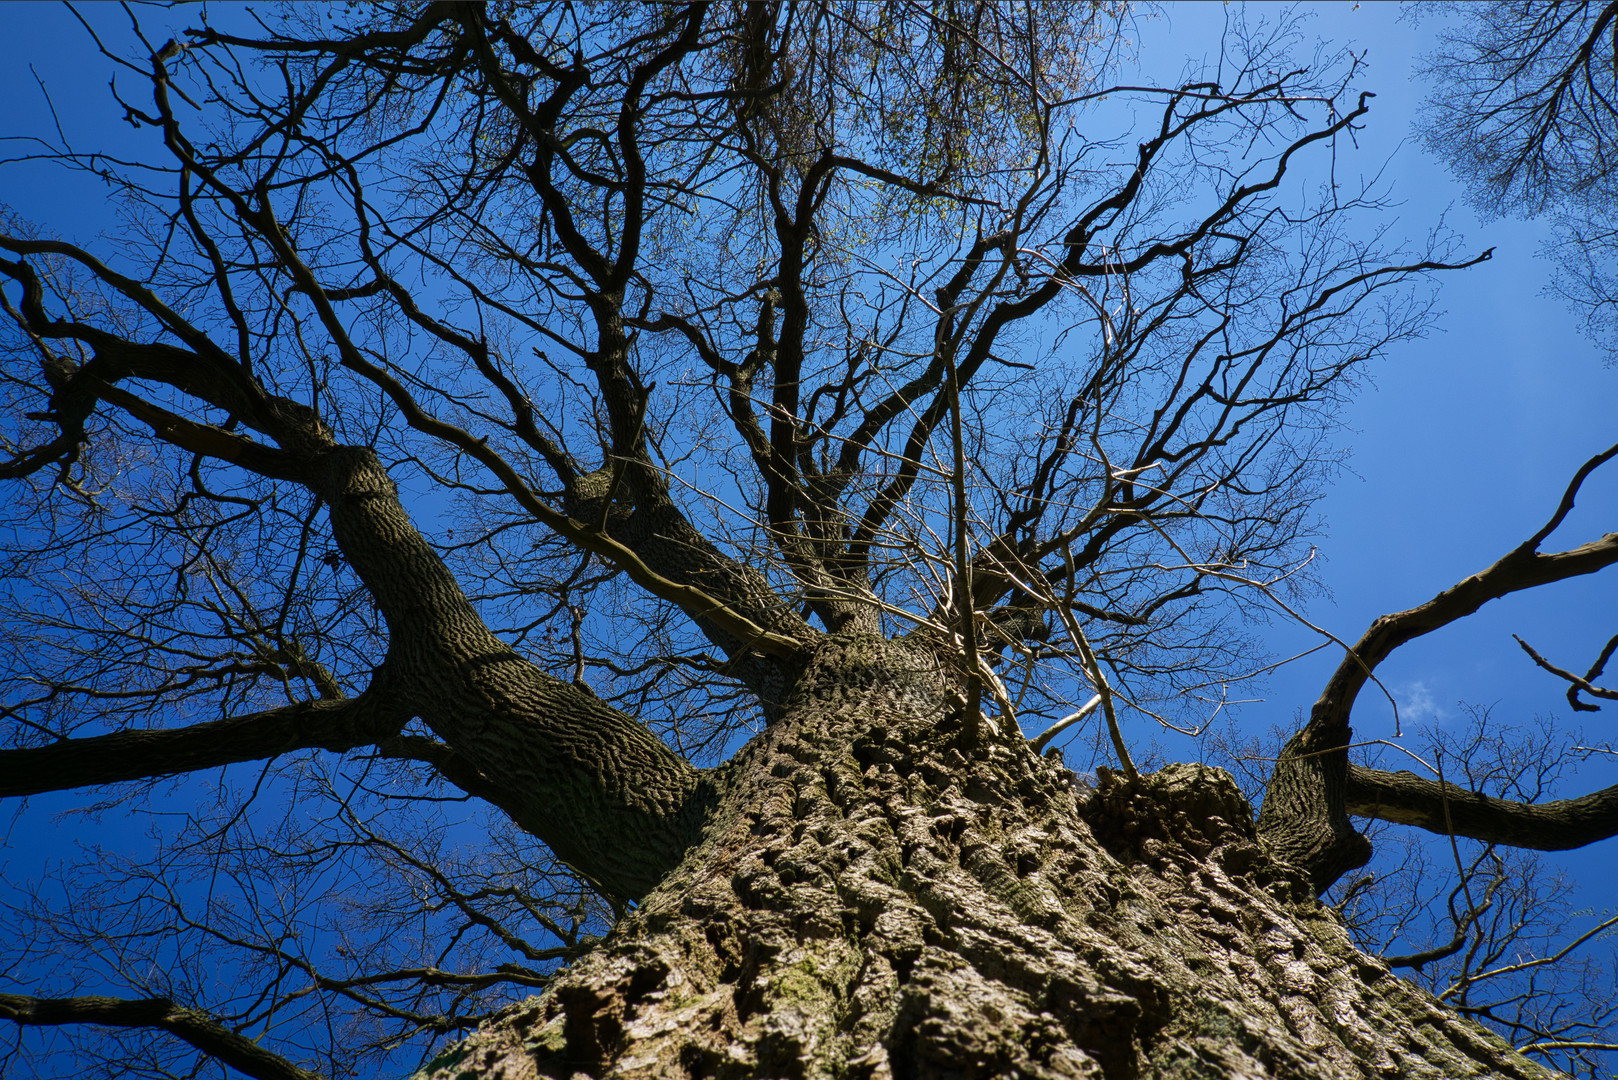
(1525, 111)
(523, 404)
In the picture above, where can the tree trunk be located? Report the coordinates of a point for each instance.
(869, 899)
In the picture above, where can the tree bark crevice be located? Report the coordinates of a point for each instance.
(869, 901)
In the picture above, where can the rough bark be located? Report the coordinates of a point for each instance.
(1305, 819)
(869, 901)
(600, 789)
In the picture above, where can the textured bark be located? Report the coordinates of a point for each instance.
(599, 788)
(656, 530)
(1304, 819)
(870, 901)
(877, 885)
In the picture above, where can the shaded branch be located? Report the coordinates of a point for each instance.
(444, 761)
(1407, 799)
(1427, 956)
(197, 1028)
(122, 756)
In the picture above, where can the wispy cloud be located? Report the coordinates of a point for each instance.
(1417, 705)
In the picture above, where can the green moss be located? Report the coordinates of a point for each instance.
(547, 1040)
(801, 983)
(813, 983)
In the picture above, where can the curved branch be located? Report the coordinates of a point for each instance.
(197, 1028)
(1565, 506)
(1577, 683)
(697, 602)
(1427, 956)
(1304, 816)
(1524, 567)
(211, 376)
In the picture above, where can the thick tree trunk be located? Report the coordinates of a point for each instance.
(869, 900)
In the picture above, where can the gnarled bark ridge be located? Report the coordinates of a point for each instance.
(868, 900)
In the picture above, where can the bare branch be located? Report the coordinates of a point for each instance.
(1579, 683)
(1408, 799)
(197, 1028)
(338, 726)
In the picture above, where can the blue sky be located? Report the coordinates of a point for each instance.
(1460, 449)
(1461, 445)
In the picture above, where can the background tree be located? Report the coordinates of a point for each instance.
(1525, 111)
(521, 404)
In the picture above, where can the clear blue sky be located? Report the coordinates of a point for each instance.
(1462, 445)
(1460, 449)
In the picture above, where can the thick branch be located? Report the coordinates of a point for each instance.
(1522, 568)
(605, 793)
(621, 388)
(197, 1028)
(139, 755)
(695, 601)
(1408, 799)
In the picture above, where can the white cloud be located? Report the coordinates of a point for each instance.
(1417, 705)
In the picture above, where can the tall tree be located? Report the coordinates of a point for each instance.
(1525, 111)
(526, 401)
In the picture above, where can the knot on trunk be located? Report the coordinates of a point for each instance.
(1186, 807)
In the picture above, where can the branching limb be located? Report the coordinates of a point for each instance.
(1538, 961)
(1408, 799)
(1038, 744)
(1304, 815)
(1524, 567)
(1427, 956)
(1579, 683)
